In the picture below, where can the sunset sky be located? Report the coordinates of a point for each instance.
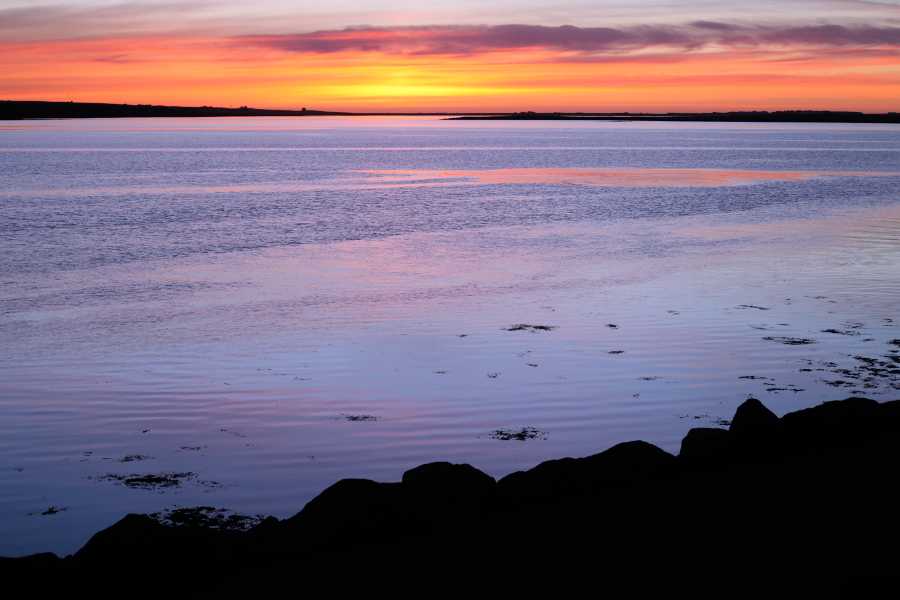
(468, 55)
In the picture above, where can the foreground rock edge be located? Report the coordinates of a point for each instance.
(439, 499)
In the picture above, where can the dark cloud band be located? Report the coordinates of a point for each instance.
(474, 39)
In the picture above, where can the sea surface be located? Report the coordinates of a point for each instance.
(238, 312)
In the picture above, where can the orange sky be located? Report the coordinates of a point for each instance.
(466, 69)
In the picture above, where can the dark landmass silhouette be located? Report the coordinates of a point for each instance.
(779, 116)
(798, 507)
(17, 110)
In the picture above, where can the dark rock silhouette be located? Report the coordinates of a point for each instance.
(138, 543)
(706, 447)
(833, 423)
(626, 464)
(753, 421)
(757, 431)
(801, 506)
(450, 492)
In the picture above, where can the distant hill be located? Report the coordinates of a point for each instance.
(13, 109)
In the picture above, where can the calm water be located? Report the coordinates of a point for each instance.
(247, 310)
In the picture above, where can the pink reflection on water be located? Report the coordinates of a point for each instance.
(611, 177)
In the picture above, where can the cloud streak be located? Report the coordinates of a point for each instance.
(475, 39)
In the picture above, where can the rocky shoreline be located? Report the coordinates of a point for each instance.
(801, 506)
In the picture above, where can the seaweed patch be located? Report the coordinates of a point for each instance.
(527, 327)
(206, 517)
(721, 422)
(790, 341)
(838, 383)
(157, 481)
(52, 510)
(521, 435)
(346, 417)
(134, 457)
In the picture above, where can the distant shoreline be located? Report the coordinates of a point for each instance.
(812, 116)
(16, 110)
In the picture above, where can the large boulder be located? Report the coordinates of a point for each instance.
(430, 496)
(753, 421)
(443, 491)
(140, 544)
(32, 576)
(447, 476)
(351, 508)
(889, 415)
(624, 465)
(706, 447)
(756, 430)
(833, 423)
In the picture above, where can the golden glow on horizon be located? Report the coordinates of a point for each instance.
(218, 72)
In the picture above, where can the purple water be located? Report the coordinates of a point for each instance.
(249, 307)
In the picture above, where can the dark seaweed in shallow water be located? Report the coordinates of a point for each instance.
(790, 341)
(526, 433)
(207, 517)
(156, 481)
(871, 374)
(133, 457)
(53, 510)
(531, 328)
(345, 417)
(149, 481)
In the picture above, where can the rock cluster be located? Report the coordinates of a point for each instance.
(439, 502)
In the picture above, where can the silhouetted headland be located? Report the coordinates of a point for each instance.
(802, 506)
(15, 110)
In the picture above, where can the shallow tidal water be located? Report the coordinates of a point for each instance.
(238, 312)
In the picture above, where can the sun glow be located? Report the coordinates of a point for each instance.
(224, 72)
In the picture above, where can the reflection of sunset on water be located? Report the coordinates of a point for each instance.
(242, 304)
(613, 177)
